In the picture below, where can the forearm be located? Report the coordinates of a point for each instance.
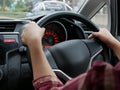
(115, 46)
(40, 64)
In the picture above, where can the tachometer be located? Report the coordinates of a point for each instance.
(50, 38)
(55, 33)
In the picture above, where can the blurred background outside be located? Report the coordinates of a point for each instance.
(13, 9)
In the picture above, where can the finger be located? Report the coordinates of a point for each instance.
(90, 36)
(28, 24)
(93, 35)
(43, 29)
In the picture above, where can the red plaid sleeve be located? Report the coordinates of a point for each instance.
(47, 83)
(102, 76)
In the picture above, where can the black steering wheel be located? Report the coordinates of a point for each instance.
(73, 57)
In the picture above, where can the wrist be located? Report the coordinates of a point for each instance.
(114, 44)
(35, 43)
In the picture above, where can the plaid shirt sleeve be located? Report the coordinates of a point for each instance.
(47, 83)
(102, 76)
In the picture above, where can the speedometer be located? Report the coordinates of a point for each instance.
(55, 33)
(50, 38)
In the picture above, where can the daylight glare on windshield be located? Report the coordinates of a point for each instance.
(28, 8)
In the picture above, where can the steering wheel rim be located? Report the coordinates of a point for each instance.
(56, 49)
(66, 14)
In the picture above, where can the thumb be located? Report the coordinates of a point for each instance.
(93, 35)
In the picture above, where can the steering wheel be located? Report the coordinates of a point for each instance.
(73, 57)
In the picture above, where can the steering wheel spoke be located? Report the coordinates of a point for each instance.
(95, 48)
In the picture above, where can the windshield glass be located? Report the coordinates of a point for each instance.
(27, 8)
(54, 6)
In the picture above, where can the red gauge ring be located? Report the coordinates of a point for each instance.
(50, 38)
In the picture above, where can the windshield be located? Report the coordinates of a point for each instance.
(54, 6)
(28, 8)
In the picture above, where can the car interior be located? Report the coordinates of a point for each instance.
(65, 43)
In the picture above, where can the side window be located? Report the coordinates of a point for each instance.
(101, 18)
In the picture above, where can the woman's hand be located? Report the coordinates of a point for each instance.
(105, 36)
(32, 33)
(32, 36)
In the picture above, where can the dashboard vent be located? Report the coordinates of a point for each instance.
(7, 27)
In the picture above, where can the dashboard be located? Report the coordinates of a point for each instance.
(56, 32)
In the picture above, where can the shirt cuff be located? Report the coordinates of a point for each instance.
(43, 81)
